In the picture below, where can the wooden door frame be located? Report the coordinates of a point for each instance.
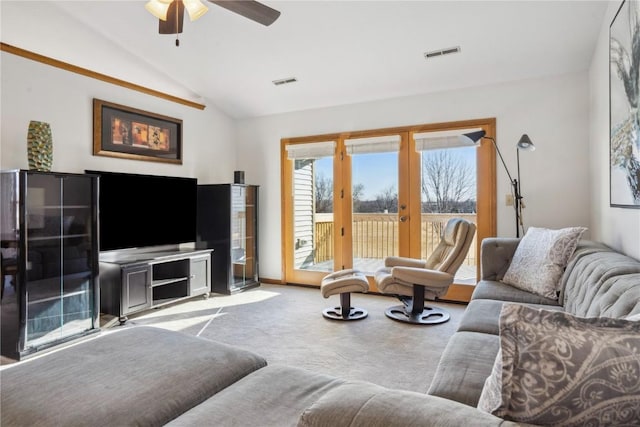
(486, 195)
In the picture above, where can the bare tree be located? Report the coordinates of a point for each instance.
(324, 194)
(448, 183)
(387, 199)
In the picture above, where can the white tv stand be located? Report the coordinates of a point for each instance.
(131, 282)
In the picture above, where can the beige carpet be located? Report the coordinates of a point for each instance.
(285, 325)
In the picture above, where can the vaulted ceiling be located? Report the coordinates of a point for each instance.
(340, 52)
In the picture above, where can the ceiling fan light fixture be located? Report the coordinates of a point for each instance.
(170, 13)
(195, 8)
(158, 8)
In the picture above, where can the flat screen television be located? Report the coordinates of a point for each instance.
(145, 210)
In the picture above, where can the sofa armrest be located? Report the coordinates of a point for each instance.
(143, 376)
(362, 404)
(496, 254)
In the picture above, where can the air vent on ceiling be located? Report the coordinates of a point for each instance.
(285, 81)
(441, 52)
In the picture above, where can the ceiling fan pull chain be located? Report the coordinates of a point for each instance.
(178, 29)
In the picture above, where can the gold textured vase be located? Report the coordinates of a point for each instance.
(40, 146)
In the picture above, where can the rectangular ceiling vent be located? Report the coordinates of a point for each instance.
(441, 52)
(285, 81)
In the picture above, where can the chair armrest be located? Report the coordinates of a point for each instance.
(395, 261)
(421, 276)
(496, 254)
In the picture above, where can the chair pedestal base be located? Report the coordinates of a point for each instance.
(345, 311)
(414, 311)
(428, 316)
(354, 313)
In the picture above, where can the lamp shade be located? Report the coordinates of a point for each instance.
(195, 9)
(158, 8)
(525, 143)
(472, 137)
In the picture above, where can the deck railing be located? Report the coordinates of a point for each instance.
(375, 235)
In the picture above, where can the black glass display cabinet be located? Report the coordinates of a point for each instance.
(49, 248)
(228, 223)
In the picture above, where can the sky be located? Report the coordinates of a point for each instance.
(378, 171)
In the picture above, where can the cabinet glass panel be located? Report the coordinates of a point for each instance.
(77, 287)
(59, 288)
(238, 234)
(243, 239)
(251, 228)
(9, 245)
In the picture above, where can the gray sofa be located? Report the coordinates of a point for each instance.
(147, 376)
(597, 282)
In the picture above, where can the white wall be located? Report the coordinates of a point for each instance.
(34, 91)
(50, 29)
(552, 111)
(617, 227)
(561, 183)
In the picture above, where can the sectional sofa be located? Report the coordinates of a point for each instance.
(598, 283)
(147, 376)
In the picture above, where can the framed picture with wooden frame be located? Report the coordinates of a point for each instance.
(129, 133)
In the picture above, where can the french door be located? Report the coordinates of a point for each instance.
(352, 199)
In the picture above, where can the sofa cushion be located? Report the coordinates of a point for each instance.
(557, 369)
(465, 364)
(487, 289)
(600, 282)
(132, 376)
(496, 254)
(272, 396)
(361, 404)
(540, 260)
(483, 315)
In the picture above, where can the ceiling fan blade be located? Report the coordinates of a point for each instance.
(175, 19)
(253, 10)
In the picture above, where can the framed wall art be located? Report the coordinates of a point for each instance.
(129, 133)
(624, 104)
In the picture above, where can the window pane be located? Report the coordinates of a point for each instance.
(375, 209)
(448, 190)
(313, 214)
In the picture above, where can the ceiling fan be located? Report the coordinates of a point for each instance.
(171, 12)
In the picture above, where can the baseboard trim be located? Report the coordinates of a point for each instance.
(271, 281)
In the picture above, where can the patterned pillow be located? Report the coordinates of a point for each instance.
(561, 370)
(540, 259)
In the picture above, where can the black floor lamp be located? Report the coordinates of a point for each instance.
(523, 144)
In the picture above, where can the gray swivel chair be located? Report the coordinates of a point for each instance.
(411, 280)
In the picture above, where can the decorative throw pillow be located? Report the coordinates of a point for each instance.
(557, 369)
(540, 259)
